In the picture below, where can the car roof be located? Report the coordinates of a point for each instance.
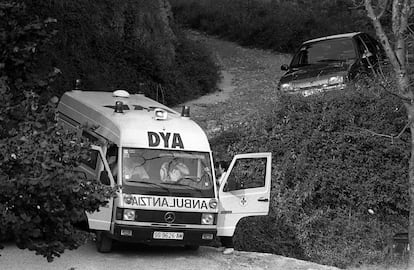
(346, 35)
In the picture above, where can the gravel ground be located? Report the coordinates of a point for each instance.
(130, 256)
(249, 80)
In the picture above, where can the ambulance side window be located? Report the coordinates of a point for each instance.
(247, 173)
(89, 136)
(92, 159)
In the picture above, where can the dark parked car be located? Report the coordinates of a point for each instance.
(329, 63)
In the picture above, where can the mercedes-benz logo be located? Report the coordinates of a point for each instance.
(169, 217)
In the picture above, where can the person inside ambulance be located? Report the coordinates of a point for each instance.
(133, 170)
(220, 167)
(173, 171)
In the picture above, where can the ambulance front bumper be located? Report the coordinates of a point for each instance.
(164, 236)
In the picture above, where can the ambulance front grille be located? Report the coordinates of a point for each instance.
(168, 225)
(158, 217)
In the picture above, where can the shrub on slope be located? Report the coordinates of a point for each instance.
(329, 168)
(124, 45)
(277, 25)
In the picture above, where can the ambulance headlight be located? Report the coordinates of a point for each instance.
(212, 203)
(207, 219)
(129, 214)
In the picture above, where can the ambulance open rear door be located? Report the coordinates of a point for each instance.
(245, 190)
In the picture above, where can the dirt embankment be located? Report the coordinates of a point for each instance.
(249, 79)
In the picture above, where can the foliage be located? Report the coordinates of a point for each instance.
(329, 168)
(194, 75)
(93, 45)
(275, 25)
(22, 35)
(42, 196)
(396, 44)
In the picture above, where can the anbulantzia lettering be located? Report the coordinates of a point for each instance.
(166, 202)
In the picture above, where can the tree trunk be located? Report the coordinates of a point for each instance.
(410, 112)
(396, 53)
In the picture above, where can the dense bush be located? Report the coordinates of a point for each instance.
(330, 165)
(88, 46)
(275, 25)
(42, 198)
(194, 75)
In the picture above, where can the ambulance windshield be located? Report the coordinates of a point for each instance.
(167, 172)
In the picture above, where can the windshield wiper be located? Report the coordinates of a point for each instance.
(151, 183)
(183, 185)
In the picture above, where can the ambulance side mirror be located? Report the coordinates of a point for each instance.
(104, 178)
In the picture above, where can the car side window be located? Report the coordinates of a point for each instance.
(371, 47)
(360, 46)
(378, 47)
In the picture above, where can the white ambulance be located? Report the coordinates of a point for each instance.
(162, 163)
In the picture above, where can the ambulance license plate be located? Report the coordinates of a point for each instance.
(168, 235)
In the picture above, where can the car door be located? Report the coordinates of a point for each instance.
(101, 220)
(244, 191)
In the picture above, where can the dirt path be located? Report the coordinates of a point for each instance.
(131, 256)
(249, 80)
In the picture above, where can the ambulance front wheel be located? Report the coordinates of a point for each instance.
(103, 242)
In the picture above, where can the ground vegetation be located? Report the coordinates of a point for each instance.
(276, 25)
(340, 174)
(339, 191)
(396, 42)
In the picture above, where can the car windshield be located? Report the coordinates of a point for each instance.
(166, 172)
(330, 50)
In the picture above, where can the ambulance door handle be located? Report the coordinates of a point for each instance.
(262, 199)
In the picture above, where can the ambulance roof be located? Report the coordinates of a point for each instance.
(136, 126)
